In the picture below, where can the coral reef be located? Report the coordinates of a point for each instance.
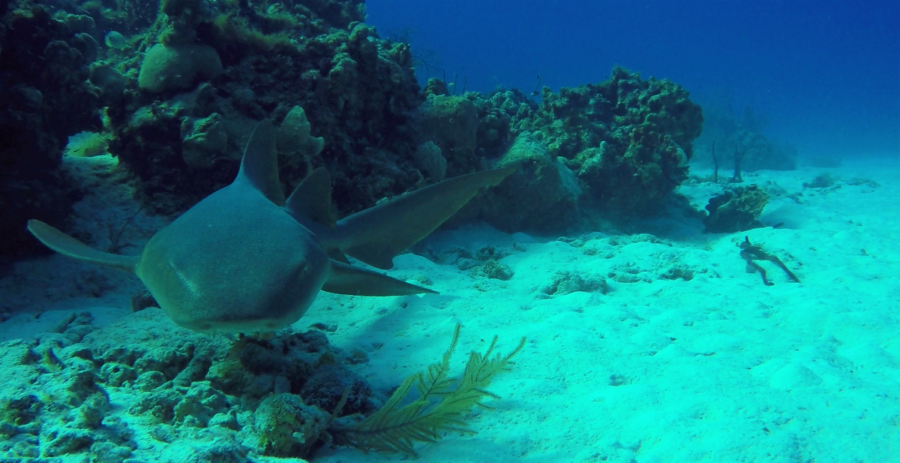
(357, 94)
(627, 139)
(169, 383)
(500, 113)
(205, 139)
(430, 161)
(178, 66)
(46, 98)
(491, 268)
(736, 210)
(620, 146)
(565, 282)
(451, 123)
(294, 139)
(143, 389)
(179, 84)
(542, 196)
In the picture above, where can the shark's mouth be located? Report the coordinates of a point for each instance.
(245, 326)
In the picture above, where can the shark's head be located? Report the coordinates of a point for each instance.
(258, 271)
(237, 261)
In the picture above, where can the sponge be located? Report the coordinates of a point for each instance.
(178, 66)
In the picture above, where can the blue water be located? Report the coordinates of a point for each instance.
(643, 337)
(825, 74)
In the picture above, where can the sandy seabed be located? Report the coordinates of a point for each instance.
(655, 346)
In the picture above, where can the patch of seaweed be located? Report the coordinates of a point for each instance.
(441, 405)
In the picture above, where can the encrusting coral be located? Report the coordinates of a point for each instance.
(736, 210)
(627, 140)
(44, 66)
(144, 389)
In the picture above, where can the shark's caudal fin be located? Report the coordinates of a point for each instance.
(68, 246)
(259, 166)
(357, 281)
(376, 235)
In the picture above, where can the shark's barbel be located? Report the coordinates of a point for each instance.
(246, 260)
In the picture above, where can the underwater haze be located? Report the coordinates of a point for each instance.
(825, 74)
(494, 231)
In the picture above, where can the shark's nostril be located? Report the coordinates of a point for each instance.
(302, 268)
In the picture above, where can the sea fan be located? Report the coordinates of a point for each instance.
(440, 406)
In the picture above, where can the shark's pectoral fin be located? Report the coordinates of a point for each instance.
(68, 246)
(376, 235)
(356, 281)
(336, 254)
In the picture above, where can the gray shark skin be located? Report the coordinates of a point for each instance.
(246, 260)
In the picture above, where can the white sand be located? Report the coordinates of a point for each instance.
(719, 368)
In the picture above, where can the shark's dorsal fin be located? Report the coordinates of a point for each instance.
(259, 166)
(68, 246)
(312, 198)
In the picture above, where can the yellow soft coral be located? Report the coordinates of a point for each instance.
(87, 144)
(439, 407)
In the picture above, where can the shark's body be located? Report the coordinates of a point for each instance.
(246, 260)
